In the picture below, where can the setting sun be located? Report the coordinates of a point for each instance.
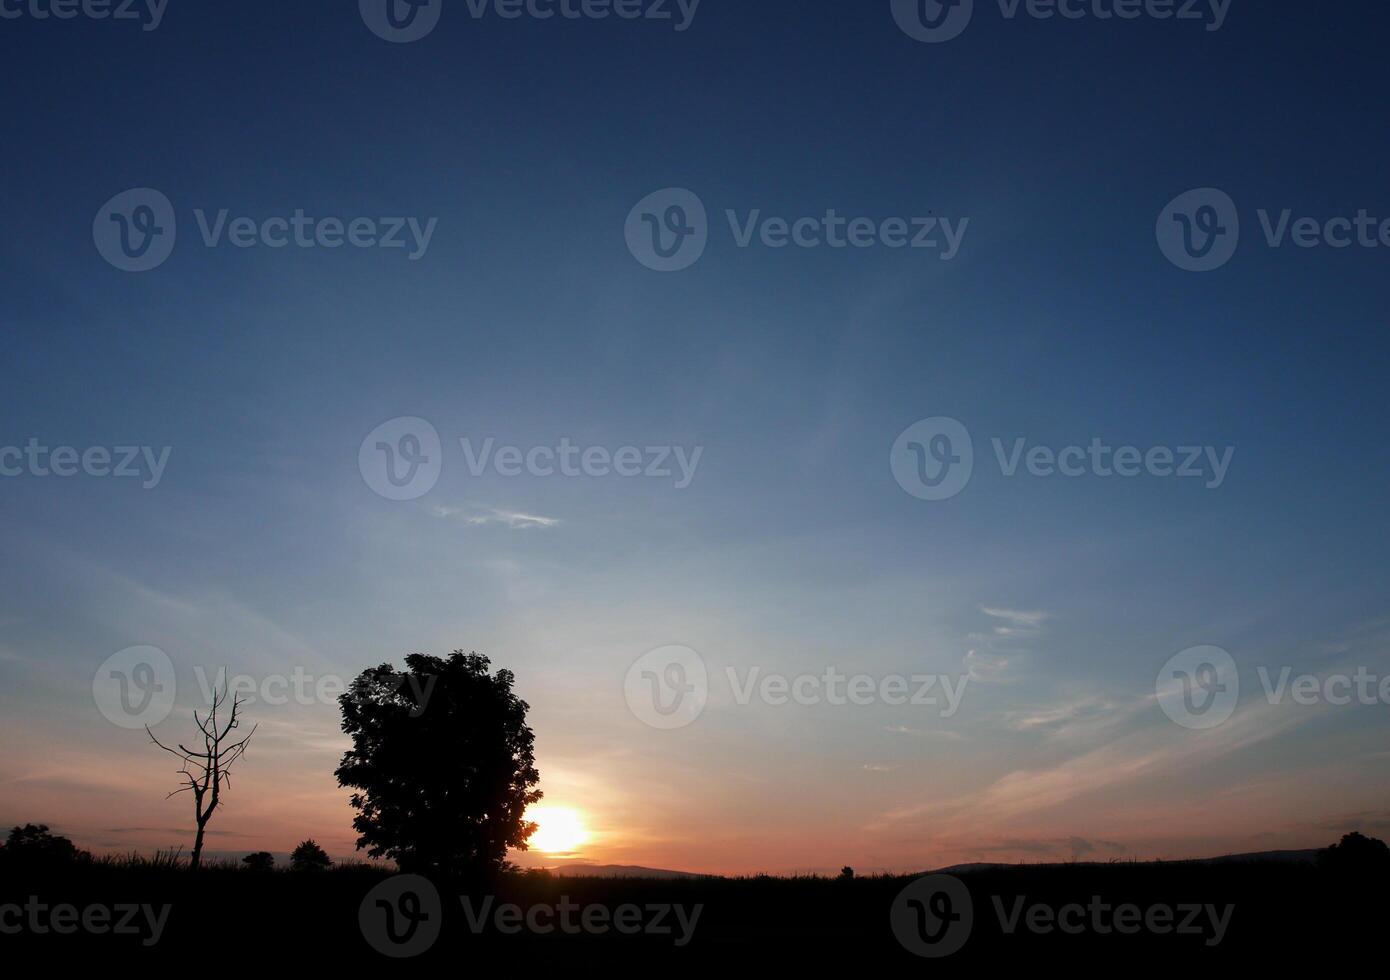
(559, 830)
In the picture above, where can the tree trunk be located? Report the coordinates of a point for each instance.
(197, 858)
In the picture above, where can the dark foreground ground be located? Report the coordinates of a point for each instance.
(1189, 916)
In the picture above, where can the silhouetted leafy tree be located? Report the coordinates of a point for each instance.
(260, 861)
(308, 856)
(442, 762)
(846, 873)
(1356, 853)
(208, 769)
(32, 846)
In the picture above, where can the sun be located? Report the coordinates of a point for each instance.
(559, 829)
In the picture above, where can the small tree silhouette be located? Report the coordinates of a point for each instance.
(308, 856)
(442, 762)
(207, 771)
(32, 846)
(260, 861)
(1356, 853)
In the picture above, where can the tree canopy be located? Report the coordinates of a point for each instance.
(308, 856)
(442, 764)
(33, 846)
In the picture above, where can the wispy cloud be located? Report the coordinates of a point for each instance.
(1156, 752)
(925, 733)
(984, 666)
(1018, 619)
(481, 517)
(1063, 716)
(993, 650)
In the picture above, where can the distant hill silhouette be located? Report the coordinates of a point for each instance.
(1306, 856)
(618, 871)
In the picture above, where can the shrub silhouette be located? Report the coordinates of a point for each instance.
(308, 856)
(32, 846)
(1356, 853)
(442, 762)
(260, 861)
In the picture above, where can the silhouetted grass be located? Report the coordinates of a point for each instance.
(1280, 911)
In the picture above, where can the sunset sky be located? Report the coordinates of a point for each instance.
(793, 549)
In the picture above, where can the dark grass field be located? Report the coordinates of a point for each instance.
(1274, 913)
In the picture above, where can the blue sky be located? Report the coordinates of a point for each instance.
(529, 321)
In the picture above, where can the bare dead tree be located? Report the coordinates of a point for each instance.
(207, 771)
